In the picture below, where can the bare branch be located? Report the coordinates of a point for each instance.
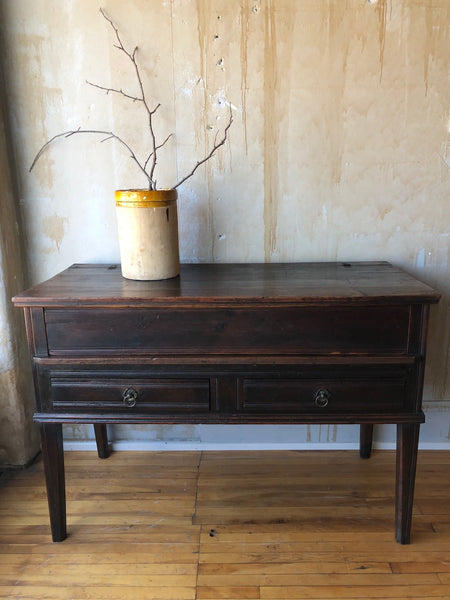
(148, 166)
(216, 146)
(121, 92)
(109, 134)
(120, 46)
(143, 98)
(165, 141)
(157, 148)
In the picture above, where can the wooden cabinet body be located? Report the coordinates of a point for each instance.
(278, 343)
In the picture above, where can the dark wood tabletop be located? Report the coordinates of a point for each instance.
(213, 284)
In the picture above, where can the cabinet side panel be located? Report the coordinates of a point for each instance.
(37, 336)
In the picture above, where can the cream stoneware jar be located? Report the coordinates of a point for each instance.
(148, 233)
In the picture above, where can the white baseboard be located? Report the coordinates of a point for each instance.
(143, 446)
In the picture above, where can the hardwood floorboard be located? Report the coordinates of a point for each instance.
(227, 525)
(422, 592)
(82, 592)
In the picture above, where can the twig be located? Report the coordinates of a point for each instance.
(211, 153)
(157, 148)
(121, 92)
(109, 134)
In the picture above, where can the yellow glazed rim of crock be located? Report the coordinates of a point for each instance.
(145, 198)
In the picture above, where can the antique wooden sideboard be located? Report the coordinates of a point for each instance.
(230, 343)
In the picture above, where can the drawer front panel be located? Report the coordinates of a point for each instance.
(388, 393)
(280, 330)
(168, 396)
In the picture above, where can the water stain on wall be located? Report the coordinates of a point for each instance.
(205, 38)
(437, 38)
(54, 228)
(247, 12)
(276, 114)
(31, 66)
(270, 134)
(382, 9)
(337, 26)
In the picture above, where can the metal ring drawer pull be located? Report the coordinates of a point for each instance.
(130, 397)
(322, 397)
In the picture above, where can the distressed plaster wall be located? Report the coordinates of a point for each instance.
(339, 150)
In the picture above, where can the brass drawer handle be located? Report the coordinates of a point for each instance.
(322, 397)
(130, 397)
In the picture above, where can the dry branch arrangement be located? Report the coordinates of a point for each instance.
(148, 165)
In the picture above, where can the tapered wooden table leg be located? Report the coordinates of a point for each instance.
(53, 457)
(365, 440)
(101, 437)
(407, 444)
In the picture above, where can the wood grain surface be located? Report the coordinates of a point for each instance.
(227, 525)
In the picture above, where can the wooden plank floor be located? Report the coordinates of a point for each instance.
(222, 525)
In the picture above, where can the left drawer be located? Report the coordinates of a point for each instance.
(128, 395)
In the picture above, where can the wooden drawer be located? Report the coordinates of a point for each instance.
(351, 391)
(152, 395)
(229, 331)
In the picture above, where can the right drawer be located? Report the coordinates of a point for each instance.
(349, 390)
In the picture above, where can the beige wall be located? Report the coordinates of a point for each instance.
(339, 150)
